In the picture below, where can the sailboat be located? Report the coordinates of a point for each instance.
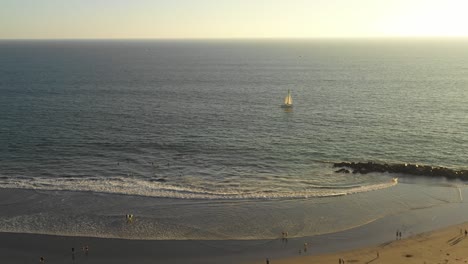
(287, 101)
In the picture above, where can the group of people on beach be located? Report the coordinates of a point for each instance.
(85, 249)
(130, 218)
(398, 235)
(305, 248)
(284, 235)
(284, 240)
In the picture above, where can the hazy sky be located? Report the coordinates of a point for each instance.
(231, 18)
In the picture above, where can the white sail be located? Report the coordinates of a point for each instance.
(288, 99)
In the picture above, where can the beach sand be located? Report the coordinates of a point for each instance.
(28, 248)
(448, 245)
(360, 244)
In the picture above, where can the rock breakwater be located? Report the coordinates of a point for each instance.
(404, 168)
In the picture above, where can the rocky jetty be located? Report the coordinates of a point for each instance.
(404, 168)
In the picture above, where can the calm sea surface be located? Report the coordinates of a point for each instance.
(190, 137)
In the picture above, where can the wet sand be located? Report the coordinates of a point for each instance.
(28, 248)
(448, 245)
(357, 245)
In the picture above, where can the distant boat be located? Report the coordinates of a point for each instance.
(288, 103)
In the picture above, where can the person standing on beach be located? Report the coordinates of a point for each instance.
(267, 261)
(42, 260)
(129, 218)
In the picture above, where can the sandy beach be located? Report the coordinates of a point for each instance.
(359, 244)
(448, 245)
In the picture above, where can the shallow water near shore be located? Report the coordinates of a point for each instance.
(103, 215)
(189, 136)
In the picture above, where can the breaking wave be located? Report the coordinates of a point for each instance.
(151, 188)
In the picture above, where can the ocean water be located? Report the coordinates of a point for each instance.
(190, 137)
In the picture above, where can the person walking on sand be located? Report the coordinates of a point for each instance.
(305, 247)
(267, 261)
(42, 260)
(378, 256)
(466, 232)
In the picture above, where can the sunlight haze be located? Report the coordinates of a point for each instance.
(189, 19)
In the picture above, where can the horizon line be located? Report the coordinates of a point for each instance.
(251, 38)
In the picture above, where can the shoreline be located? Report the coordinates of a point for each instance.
(450, 243)
(352, 244)
(29, 247)
(446, 245)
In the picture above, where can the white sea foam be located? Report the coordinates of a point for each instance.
(142, 187)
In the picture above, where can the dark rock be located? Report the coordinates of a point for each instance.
(342, 171)
(405, 168)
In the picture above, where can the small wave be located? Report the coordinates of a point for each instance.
(151, 188)
(338, 187)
